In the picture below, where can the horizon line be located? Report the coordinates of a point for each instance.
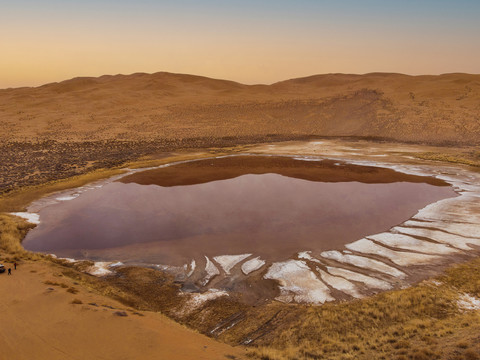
(237, 82)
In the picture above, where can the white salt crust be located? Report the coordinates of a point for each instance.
(340, 284)
(457, 241)
(298, 283)
(409, 243)
(211, 271)
(100, 269)
(307, 256)
(368, 281)
(32, 218)
(363, 262)
(465, 207)
(401, 258)
(462, 229)
(468, 302)
(252, 265)
(197, 299)
(227, 262)
(193, 265)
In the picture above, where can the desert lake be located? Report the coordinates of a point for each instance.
(268, 206)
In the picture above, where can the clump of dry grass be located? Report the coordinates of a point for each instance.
(55, 283)
(464, 277)
(12, 230)
(421, 322)
(471, 354)
(471, 158)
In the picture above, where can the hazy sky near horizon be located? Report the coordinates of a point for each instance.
(248, 41)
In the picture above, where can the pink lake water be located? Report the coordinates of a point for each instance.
(270, 215)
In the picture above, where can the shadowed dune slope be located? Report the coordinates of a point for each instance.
(439, 109)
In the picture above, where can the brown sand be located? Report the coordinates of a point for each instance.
(38, 323)
(437, 109)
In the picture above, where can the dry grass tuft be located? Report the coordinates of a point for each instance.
(55, 283)
(421, 322)
(13, 229)
(470, 158)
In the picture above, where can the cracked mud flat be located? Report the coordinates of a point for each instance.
(440, 233)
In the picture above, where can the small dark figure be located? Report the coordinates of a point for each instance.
(15, 266)
(9, 271)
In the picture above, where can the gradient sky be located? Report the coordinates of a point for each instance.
(248, 41)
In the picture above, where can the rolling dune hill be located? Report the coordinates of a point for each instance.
(441, 110)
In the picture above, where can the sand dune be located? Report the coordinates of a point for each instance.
(39, 321)
(436, 109)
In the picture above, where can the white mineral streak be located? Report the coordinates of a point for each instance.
(340, 284)
(462, 229)
(401, 258)
(369, 281)
(211, 270)
(467, 302)
(409, 243)
(306, 256)
(298, 283)
(118, 263)
(457, 241)
(307, 159)
(67, 197)
(227, 262)
(32, 218)
(465, 207)
(193, 265)
(363, 262)
(252, 265)
(99, 269)
(197, 299)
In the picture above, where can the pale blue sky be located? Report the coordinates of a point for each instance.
(248, 41)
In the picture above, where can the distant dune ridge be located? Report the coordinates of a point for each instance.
(443, 109)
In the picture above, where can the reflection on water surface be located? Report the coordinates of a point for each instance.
(268, 206)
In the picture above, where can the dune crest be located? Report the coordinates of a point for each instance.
(440, 109)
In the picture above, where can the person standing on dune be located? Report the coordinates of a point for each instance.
(15, 265)
(9, 271)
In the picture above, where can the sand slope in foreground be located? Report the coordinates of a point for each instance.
(37, 323)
